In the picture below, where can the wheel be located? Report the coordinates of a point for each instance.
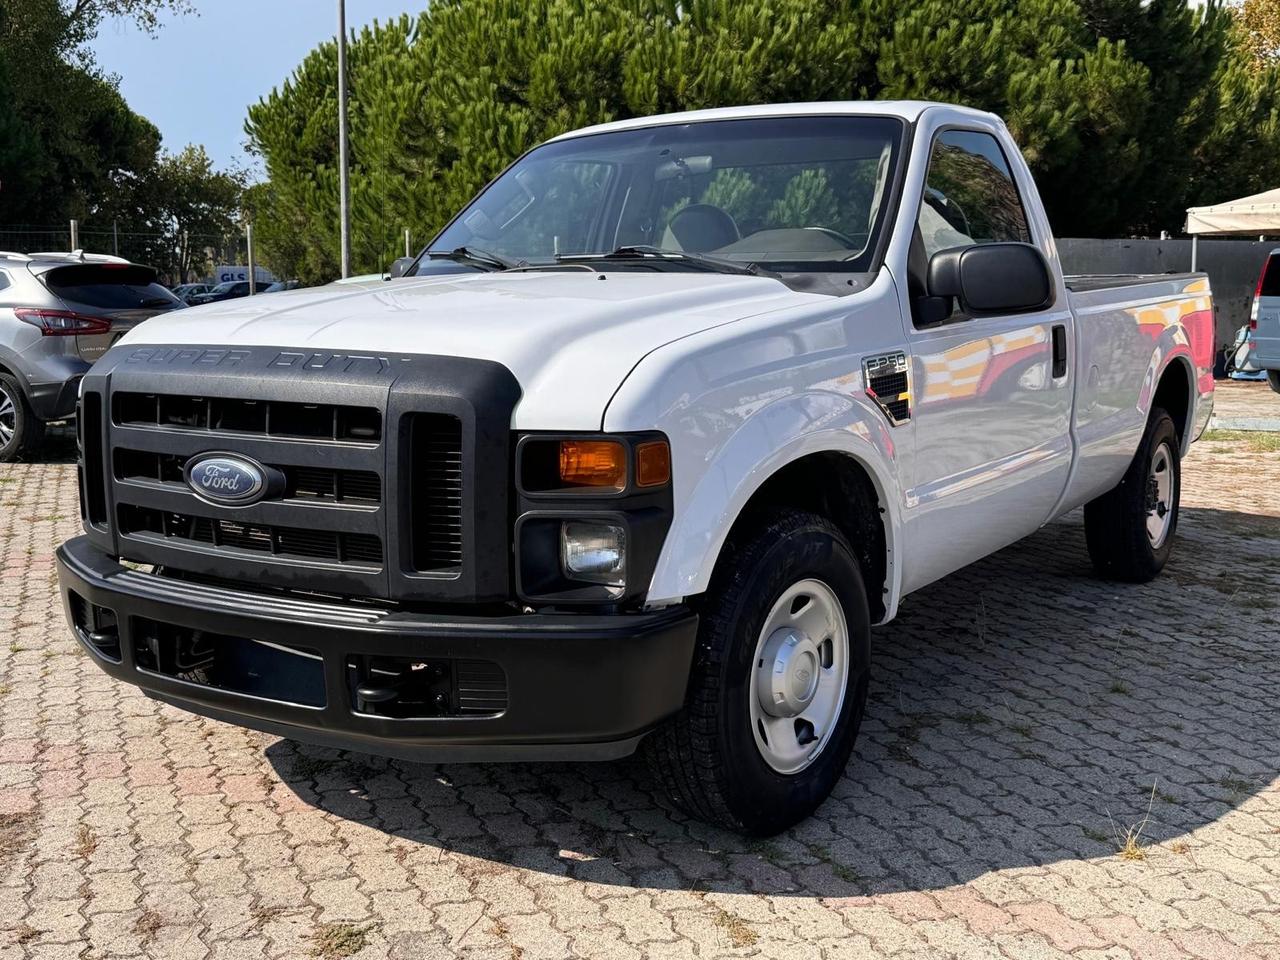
(779, 680)
(1273, 378)
(1129, 530)
(20, 429)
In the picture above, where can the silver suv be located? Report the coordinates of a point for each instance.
(58, 313)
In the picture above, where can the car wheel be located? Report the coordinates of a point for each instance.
(20, 429)
(779, 680)
(1129, 530)
(1273, 378)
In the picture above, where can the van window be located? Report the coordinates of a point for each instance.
(1270, 285)
(970, 196)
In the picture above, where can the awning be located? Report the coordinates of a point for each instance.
(1255, 215)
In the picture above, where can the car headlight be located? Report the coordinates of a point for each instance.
(594, 552)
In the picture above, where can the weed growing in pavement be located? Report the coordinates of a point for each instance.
(973, 719)
(1022, 729)
(148, 925)
(1118, 686)
(16, 831)
(1129, 842)
(1235, 785)
(86, 841)
(334, 941)
(738, 930)
(1180, 847)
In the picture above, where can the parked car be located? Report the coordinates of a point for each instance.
(281, 285)
(185, 291)
(230, 290)
(59, 312)
(1264, 320)
(718, 392)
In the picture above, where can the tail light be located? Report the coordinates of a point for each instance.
(62, 323)
(1257, 292)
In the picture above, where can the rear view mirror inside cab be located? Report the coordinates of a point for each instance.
(682, 167)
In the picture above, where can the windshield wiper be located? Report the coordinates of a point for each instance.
(476, 257)
(644, 251)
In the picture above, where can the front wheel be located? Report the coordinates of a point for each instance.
(20, 430)
(779, 680)
(1129, 530)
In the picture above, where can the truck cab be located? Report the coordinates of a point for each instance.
(634, 454)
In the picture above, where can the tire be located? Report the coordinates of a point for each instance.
(20, 430)
(1273, 378)
(1121, 525)
(709, 760)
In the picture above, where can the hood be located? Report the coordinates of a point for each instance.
(569, 337)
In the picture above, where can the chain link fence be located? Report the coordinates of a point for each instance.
(164, 251)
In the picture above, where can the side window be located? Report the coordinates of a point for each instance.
(970, 196)
(4, 279)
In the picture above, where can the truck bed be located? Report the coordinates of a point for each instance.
(1082, 283)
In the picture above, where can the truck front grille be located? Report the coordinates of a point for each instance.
(268, 418)
(231, 535)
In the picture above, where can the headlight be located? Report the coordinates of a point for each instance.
(594, 552)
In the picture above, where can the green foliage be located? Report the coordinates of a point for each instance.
(1127, 110)
(66, 134)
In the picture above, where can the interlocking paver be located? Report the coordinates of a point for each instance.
(1023, 718)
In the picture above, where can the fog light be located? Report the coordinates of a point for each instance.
(595, 552)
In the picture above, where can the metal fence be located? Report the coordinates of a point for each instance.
(1232, 265)
(154, 248)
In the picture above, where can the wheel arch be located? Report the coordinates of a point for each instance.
(1175, 393)
(836, 473)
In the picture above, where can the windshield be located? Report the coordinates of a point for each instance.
(786, 193)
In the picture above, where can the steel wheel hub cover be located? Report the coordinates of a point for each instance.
(789, 678)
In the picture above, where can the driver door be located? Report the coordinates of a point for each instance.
(991, 400)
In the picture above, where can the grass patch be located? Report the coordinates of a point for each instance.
(839, 870)
(333, 941)
(974, 718)
(1257, 441)
(1022, 729)
(736, 929)
(1118, 686)
(1235, 785)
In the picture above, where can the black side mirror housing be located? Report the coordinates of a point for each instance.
(400, 266)
(991, 278)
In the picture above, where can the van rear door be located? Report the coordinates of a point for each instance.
(1266, 314)
(123, 294)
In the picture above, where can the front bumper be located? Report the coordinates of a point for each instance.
(578, 687)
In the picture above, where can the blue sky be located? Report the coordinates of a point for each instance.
(196, 78)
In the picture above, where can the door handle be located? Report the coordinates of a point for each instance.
(1059, 351)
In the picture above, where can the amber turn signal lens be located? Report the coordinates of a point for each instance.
(653, 464)
(593, 463)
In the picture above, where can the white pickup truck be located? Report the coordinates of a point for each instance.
(634, 454)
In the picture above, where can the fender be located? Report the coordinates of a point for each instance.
(779, 434)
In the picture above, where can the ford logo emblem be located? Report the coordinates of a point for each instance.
(227, 479)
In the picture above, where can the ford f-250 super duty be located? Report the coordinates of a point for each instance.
(634, 454)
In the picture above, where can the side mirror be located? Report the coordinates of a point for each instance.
(401, 265)
(992, 278)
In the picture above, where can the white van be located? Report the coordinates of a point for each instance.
(1264, 319)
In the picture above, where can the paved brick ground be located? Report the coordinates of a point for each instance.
(1024, 720)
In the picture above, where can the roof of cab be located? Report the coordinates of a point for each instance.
(909, 110)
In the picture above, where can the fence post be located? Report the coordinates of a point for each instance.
(248, 240)
(115, 237)
(406, 243)
(75, 234)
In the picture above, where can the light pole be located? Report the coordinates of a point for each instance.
(344, 176)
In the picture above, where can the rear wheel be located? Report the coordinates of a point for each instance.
(779, 680)
(1129, 530)
(1273, 378)
(20, 430)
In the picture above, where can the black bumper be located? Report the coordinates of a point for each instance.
(578, 687)
(54, 401)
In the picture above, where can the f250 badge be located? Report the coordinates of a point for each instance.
(227, 479)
